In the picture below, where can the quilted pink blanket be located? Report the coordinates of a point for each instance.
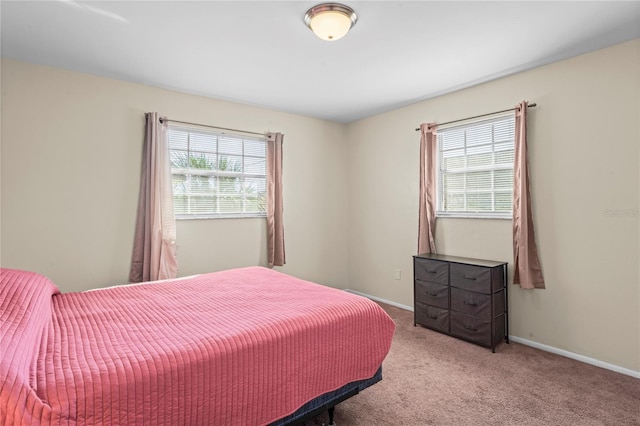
(239, 347)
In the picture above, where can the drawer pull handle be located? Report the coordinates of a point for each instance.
(432, 294)
(470, 303)
(468, 327)
(431, 272)
(433, 316)
(466, 277)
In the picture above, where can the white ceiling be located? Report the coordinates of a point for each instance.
(261, 53)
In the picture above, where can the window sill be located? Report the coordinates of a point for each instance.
(467, 215)
(230, 216)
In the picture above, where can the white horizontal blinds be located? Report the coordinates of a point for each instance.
(217, 175)
(476, 167)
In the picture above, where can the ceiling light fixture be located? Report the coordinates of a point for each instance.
(330, 21)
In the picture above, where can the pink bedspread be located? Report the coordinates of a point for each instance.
(240, 347)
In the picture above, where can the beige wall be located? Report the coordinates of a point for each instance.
(71, 152)
(584, 143)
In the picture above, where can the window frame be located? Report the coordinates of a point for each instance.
(217, 173)
(440, 193)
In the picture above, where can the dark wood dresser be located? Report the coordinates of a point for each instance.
(462, 297)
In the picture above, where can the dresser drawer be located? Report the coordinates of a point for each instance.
(471, 328)
(432, 317)
(471, 303)
(474, 278)
(432, 271)
(432, 294)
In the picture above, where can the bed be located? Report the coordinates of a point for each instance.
(248, 346)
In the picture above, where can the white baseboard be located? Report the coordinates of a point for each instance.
(379, 299)
(577, 357)
(546, 348)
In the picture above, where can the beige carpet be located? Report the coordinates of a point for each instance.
(433, 379)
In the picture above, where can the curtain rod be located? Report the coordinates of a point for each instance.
(479, 116)
(213, 127)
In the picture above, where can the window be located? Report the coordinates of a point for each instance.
(217, 175)
(475, 168)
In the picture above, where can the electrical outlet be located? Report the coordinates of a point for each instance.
(397, 274)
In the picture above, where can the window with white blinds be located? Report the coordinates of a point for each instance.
(475, 168)
(217, 175)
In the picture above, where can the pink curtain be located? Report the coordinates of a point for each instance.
(275, 228)
(427, 208)
(154, 246)
(527, 270)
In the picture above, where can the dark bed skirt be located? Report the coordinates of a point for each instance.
(330, 399)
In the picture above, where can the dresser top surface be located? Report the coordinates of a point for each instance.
(458, 259)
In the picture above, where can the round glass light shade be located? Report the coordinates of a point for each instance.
(330, 21)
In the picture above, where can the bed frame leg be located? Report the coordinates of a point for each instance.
(331, 422)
